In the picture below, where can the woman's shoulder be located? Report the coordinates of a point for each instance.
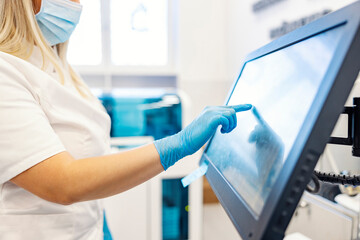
(9, 59)
(10, 64)
(13, 63)
(14, 69)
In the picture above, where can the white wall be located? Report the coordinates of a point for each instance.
(202, 52)
(248, 31)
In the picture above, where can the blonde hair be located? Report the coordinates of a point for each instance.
(19, 33)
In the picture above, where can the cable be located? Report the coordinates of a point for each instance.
(338, 178)
(316, 187)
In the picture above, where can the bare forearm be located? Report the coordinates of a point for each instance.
(64, 180)
(104, 176)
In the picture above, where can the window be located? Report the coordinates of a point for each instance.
(85, 44)
(122, 33)
(139, 32)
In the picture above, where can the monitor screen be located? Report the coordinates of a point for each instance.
(281, 86)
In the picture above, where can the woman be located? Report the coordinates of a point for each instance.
(54, 135)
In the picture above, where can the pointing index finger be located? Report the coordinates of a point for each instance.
(241, 107)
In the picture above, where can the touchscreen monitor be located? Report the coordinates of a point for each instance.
(281, 86)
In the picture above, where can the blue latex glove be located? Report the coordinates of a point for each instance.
(194, 136)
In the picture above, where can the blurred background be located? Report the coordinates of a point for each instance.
(155, 64)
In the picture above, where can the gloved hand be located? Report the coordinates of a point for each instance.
(194, 136)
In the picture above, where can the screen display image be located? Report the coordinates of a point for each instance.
(281, 86)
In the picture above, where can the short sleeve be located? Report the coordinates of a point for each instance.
(26, 136)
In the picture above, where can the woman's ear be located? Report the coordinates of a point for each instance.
(36, 5)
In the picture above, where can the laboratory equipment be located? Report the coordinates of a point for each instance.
(142, 112)
(175, 208)
(298, 85)
(319, 218)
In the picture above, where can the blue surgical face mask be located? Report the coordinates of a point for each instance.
(57, 19)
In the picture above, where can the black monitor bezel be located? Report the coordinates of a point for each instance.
(312, 139)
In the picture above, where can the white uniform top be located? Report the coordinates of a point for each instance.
(39, 118)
